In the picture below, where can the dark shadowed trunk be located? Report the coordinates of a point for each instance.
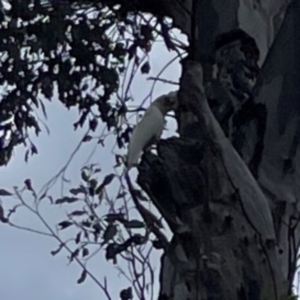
(232, 176)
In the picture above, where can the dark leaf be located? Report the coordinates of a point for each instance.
(138, 239)
(94, 205)
(66, 200)
(85, 252)
(120, 142)
(119, 160)
(120, 50)
(4, 192)
(84, 87)
(126, 134)
(87, 138)
(109, 233)
(121, 69)
(86, 223)
(64, 224)
(82, 119)
(54, 252)
(136, 60)
(76, 191)
(126, 294)
(92, 186)
(122, 110)
(82, 277)
(84, 176)
(93, 183)
(91, 191)
(146, 32)
(101, 195)
(112, 250)
(78, 237)
(107, 180)
(32, 122)
(93, 124)
(166, 36)
(101, 142)
(2, 217)
(77, 213)
(33, 149)
(145, 68)
(97, 170)
(28, 184)
(43, 108)
(43, 196)
(74, 254)
(134, 224)
(96, 236)
(51, 199)
(86, 234)
(26, 155)
(149, 217)
(121, 195)
(97, 227)
(132, 51)
(110, 218)
(157, 244)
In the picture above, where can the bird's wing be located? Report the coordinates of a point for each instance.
(150, 126)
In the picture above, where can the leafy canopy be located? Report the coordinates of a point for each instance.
(79, 50)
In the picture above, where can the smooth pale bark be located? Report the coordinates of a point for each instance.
(244, 232)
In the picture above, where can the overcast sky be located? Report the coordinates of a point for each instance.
(28, 271)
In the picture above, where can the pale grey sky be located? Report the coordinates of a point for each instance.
(27, 269)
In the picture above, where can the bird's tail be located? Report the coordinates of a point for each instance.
(130, 164)
(131, 161)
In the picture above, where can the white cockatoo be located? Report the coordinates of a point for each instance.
(150, 128)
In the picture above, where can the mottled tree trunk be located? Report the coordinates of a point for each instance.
(243, 232)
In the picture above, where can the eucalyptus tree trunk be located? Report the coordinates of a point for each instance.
(232, 177)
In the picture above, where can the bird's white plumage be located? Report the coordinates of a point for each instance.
(150, 127)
